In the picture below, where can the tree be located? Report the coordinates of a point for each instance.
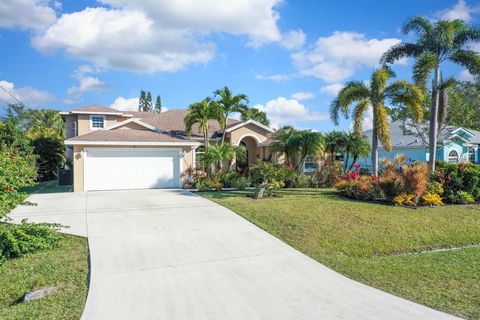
(437, 43)
(142, 101)
(355, 147)
(158, 105)
(400, 93)
(284, 143)
(217, 153)
(201, 113)
(334, 143)
(12, 136)
(308, 143)
(464, 106)
(46, 123)
(149, 103)
(255, 114)
(229, 103)
(51, 156)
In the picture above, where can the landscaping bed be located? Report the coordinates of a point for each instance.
(378, 244)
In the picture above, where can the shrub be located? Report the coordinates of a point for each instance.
(435, 187)
(458, 179)
(363, 188)
(241, 183)
(301, 181)
(263, 171)
(405, 199)
(465, 197)
(330, 175)
(18, 240)
(228, 179)
(415, 178)
(432, 199)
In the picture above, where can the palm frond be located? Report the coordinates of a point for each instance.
(359, 112)
(403, 93)
(423, 67)
(419, 25)
(468, 59)
(400, 51)
(382, 125)
(471, 34)
(379, 81)
(353, 91)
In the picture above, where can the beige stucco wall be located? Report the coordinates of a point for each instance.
(78, 167)
(248, 130)
(84, 122)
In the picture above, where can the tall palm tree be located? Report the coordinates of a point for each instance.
(201, 113)
(47, 123)
(284, 143)
(229, 103)
(255, 114)
(308, 143)
(334, 143)
(374, 96)
(355, 147)
(437, 43)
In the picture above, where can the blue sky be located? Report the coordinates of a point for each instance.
(290, 57)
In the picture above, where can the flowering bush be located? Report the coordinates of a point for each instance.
(432, 199)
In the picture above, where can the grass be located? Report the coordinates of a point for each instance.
(65, 267)
(376, 243)
(46, 187)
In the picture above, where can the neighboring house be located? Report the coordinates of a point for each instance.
(113, 149)
(455, 144)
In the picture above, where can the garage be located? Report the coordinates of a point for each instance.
(132, 168)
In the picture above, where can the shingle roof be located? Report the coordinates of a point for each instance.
(95, 108)
(120, 135)
(400, 139)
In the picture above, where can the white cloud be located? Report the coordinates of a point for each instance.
(337, 57)
(332, 89)
(293, 39)
(123, 104)
(28, 95)
(86, 82)
(302, 96)
(459, 11)
(273, 77)
(29, 14)
(283, 110)
(466, 76)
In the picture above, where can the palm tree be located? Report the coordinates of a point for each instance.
(356, 147)
(284, 143)
(308, 143)
(229, 103)
(374, 96)
(201, 113)
(217, 153)
(255, 114)
(437, 42)
(46, 123)
(334, 143)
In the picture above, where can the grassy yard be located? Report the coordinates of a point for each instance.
(65, 268)
(377, 244)
(46, 187)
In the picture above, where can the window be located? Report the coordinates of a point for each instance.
(310, 164)
(97, 122)
(199, 164)
(453, 157)
(471, 155)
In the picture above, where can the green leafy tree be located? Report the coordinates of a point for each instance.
(142, 101)
(308, 143)
(201, 113)
(158, 105)
(11, 135)
(356, 148)
(284, 142)
(437, 43)
(51, 156)
(218, 153)
(255, 114)
(229, 103)
(149, 103)
(464, 106)
(46, 123)
(375, 95)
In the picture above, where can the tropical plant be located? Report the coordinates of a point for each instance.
(255, 114)
(201, 113)
(229, 103)
(334, 143)
(51, 156)
(158, 105)
(432, 199)
(46, 123)
(307, 143)
(437, 43)
(283, 142)
(11, 135)
(375, 95)
(218, 153)
(356, 148)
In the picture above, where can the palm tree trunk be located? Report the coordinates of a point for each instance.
(224, 127)
(205, 138)
(346, 162)
(374, 148)
(355, 158)
(432, 139)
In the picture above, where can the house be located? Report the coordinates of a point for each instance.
(112, 149)
(455, 144)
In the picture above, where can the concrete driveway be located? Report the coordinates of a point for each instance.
(166, 254)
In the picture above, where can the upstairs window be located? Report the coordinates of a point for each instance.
(97, 122)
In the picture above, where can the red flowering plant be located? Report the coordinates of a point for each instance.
(16, 171)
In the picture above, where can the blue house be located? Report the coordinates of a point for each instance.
(455, 145)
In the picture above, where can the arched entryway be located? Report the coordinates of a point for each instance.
(251, 147)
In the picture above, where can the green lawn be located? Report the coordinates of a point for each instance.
(65, 267)
(375, 243)
(46, 187)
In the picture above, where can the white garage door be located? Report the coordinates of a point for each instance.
(131, 168)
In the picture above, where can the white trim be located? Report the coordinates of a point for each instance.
(98, 112)
(463, 129)
(135, 120)
(130, 143)
(248, 135)
(450, 138)
(98, 116)
(251, 121)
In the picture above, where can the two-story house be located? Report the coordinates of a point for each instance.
(112, 149)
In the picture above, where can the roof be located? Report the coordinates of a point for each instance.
(401, 139)
(94, 109)
(127, 136)
(239, 124)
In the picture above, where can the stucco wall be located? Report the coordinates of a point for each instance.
(84, 122)
(259, 134)
(78, 165)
